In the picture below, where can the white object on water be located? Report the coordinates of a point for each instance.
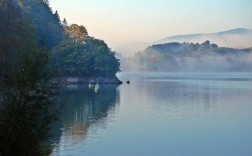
(96, 86)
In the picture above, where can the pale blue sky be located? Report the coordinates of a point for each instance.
(121, 21)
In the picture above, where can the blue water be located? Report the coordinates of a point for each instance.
(158, 115)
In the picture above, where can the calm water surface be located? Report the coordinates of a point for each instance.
(158, 115)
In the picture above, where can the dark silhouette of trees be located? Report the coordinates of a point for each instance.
(27, 92)
(15, 32)
(48, 24)
(27, 109)
(29, 33)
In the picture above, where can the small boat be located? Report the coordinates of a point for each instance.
(128, 82)
(96, 87)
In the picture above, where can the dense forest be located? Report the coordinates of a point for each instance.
(27, 93)
(190, 57)
(23, 22)
(73, 52)
(35, 47)
(81, 55)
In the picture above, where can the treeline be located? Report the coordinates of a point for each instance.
(73, 52)
(191, 57)
(48, 24)
(25, 22)
(81, 55)
(35, 47)
(191, 49)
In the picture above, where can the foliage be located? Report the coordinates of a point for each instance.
(23, 21)
(29, 32)
(27, 92)
(81, 55)
(28, 108)
(15, 33)
(78, 54)
(76, 33)
(191, 57)
(48, 24)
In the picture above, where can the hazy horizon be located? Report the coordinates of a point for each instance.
(121, 23)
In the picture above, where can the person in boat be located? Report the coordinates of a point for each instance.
(128, 82)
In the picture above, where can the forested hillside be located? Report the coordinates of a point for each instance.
(191, 57)
(27, 93)
(48, 25)
(36, 47)
(72, 51)
(82, 55)
(24, 22)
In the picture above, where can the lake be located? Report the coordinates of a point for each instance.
(158, 115)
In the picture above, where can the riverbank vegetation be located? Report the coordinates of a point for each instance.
(35, 47)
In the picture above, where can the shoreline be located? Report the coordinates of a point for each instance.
(91, 79)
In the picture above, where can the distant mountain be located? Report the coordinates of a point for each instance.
(235, 38)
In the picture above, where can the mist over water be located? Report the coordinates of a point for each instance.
(234, 38)
(189, 57)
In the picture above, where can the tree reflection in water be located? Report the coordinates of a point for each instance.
(84, 112)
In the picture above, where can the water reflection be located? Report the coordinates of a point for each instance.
(84, 110)
(158, 116)
(192, 90)
(171, 93)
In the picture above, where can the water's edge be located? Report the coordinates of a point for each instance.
(87, 80)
